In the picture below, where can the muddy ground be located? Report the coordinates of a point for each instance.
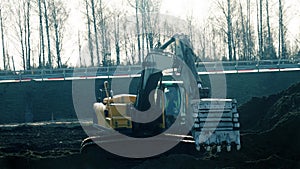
(270, 139)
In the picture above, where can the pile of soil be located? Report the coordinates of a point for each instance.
(261, 114)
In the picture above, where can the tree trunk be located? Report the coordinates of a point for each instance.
(13, 63)
(95, 31)
(21, 38)
(117, 38)
(281, 33)
(258, 31)
(57, 39)
(2, 39)
(261, 29)
(249, 34)
(42, 43)
(244, 35)
(48, 34)
(229, 33)
(138, 29)
(28, 37)
(91, 47)
(79, 49)
(270, 47)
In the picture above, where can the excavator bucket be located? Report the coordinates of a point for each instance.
(216, 124)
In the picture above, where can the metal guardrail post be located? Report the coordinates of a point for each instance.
(85, 72)
(20, 76)
(42, 73)
(257, 67)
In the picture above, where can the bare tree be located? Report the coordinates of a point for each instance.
(282, 51)
(79, 50)
(269, 49)
(28, 62)
(95, 30)
(42, 42)
(261, 40)
(90, 41)
(105, 42)
(138, 29)
(18, 26)
(228, 15)
(49, 64)
(2, 40)
(117, 36)
(58, 19)
(244, 35)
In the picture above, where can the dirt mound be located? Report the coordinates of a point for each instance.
(274, 121)
(261, 114)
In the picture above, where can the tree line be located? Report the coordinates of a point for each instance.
(35, 29)
(234, 30)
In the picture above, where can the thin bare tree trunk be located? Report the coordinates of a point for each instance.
(103, 35)
(261, 29)
(244, 34)
(48, 34)
(91, 48)
(138, 29)
(95, 31)
(249, 34)
(21, 38)
(270, 47)
(28, 36)
(281, 32)
(258, 31)
(79, 49)
(57, 40)
(117, 37)
(229, 29)
(2, 39)
(42, 43)
(13, 62)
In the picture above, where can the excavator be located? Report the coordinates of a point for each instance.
(171, 111)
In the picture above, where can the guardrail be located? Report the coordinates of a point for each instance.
(202, 68)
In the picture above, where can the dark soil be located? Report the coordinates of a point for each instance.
(270, 139)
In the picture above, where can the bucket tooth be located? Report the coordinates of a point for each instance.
(208, 148)
(228, 148)
(198, 148)
(238, 147)
(219, 149)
